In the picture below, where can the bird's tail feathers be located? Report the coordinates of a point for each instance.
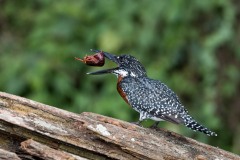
(195, 126)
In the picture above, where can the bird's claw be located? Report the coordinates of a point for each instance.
(138, 123)
(154, 126)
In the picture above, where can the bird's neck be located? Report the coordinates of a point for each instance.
(120, 90)
(120, 78)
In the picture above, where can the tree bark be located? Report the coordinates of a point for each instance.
(32, 129)
(6, 155)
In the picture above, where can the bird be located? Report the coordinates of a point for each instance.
(151, 98)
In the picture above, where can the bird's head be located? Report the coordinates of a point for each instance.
(127, 66)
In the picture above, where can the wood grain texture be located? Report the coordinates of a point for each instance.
(37, 149)
(92, 136)
(6, 155)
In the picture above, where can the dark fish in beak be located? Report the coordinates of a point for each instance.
(96, 60)
(108, 56)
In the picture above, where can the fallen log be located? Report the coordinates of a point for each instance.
(29, 128)
(6, 155)
(40, 150)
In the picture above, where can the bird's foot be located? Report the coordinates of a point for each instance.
(154, 126)
(138, 123)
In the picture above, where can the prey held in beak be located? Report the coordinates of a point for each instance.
(108, 56)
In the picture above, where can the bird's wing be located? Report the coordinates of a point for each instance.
(154, 98)
(172, 119)
(169, 101)
(167, 109)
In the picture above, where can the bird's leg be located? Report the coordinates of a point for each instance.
(138, 123)
(141, 118)
(155, 125)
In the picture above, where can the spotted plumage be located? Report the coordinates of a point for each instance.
(151, 98)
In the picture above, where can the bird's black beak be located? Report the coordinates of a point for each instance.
(102, 71)
(108, 56)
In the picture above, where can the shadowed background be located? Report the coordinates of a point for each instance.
(191, 47)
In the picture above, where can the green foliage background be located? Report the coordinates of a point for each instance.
(192, 46)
